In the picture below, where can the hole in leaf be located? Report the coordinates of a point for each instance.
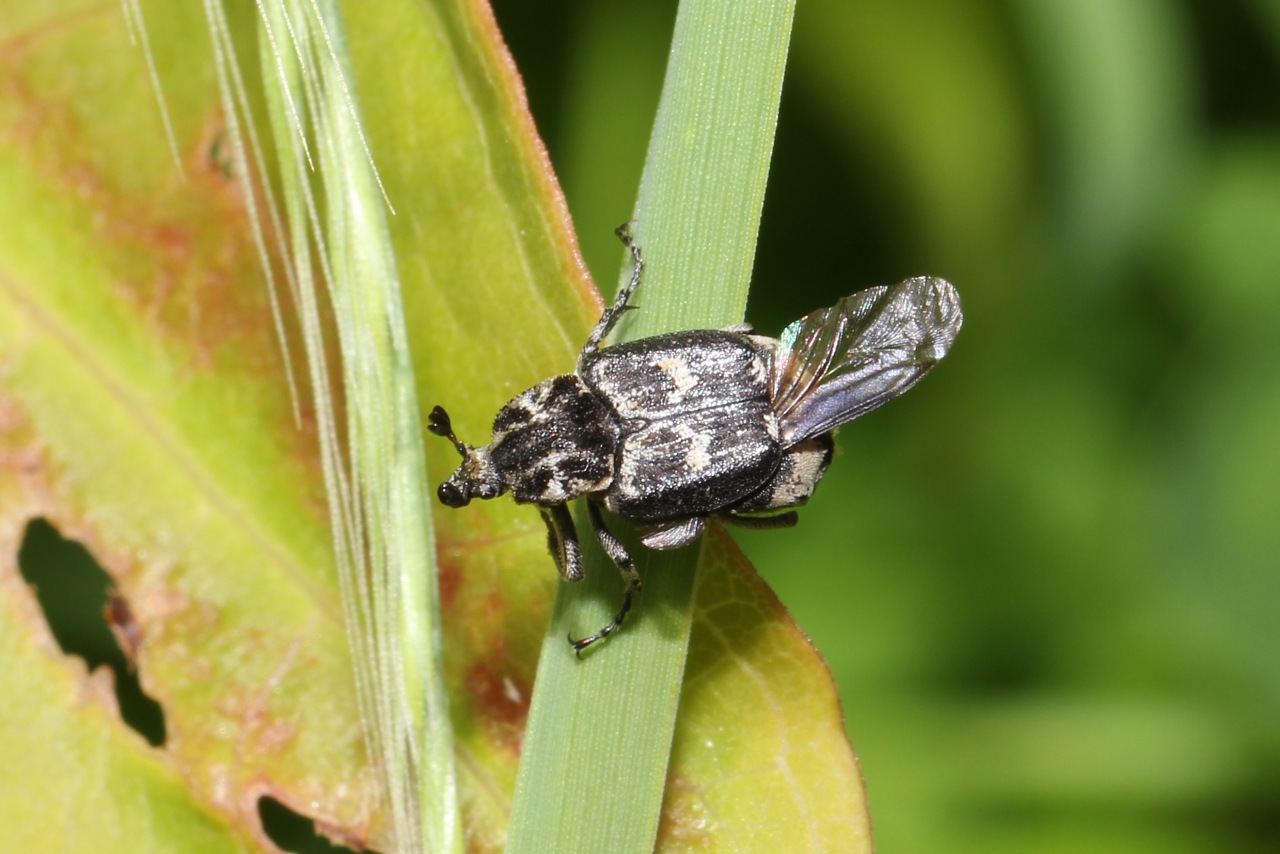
(293, 832)
(87, 616)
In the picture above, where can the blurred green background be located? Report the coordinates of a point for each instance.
(1048, 579)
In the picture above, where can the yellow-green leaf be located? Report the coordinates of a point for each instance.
(145, 411)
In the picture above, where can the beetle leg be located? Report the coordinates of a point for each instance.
(672, 534)
(613, 312)
(618, 554)
(763, 523)
(562, 541)
(614, 548)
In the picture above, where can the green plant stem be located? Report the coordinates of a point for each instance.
(595, 754)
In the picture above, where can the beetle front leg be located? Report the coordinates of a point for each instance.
(611, 314)
(618, 554)
(562, 541)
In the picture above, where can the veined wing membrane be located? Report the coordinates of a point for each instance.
(838, 363)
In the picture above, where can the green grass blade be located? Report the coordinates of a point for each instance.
(595, 755)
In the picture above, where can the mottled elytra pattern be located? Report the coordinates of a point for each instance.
(694, 465)
(668, 376)
(670, 430)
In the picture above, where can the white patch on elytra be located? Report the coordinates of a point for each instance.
(805, 466)
(681, 378)
(767, 349)
(697, 457)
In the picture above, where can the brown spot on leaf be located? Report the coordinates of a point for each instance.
(20, 451)
(500, 700)
(496, 607)
(686, 824)
(124, 625)
(449, 579)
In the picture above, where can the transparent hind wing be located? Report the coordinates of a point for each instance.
(838, 363)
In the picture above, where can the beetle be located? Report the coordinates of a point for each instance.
(671, 430)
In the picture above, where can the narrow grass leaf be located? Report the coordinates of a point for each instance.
(594, 767)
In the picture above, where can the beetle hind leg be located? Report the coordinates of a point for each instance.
(672, 534)
(618, 554)
(763, 523)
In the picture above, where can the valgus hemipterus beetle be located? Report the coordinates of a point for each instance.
(670, 430)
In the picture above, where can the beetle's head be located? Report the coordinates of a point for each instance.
(475, 478)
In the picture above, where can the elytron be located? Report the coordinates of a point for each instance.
(669, 431)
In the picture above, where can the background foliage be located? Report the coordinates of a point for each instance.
(1046, 580)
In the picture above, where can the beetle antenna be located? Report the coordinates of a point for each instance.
(438, 423)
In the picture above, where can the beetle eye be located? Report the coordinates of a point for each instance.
(451, 496)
